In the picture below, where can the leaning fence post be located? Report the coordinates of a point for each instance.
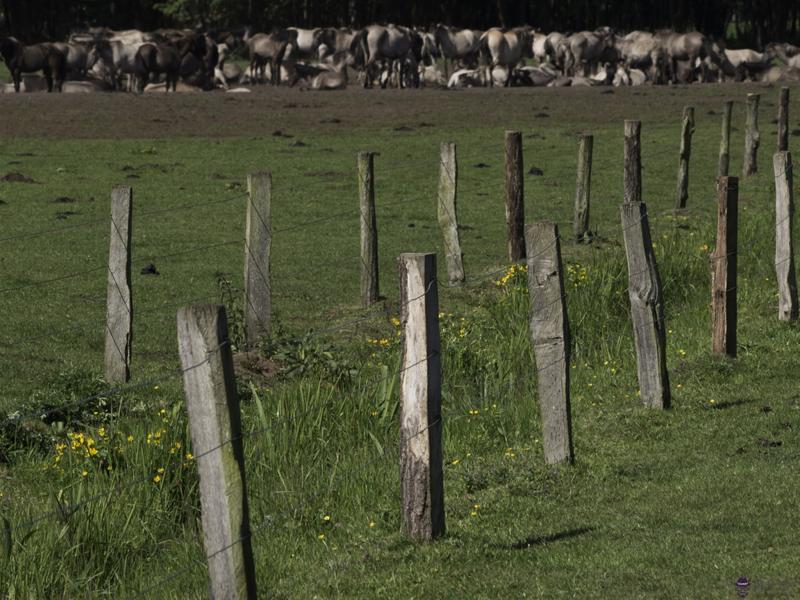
(515, 207)
(725, 141)
(447, 212)
(119, 303)
(216, 431)
(257, 246)
(369, 229)
(784, 247)
(752, 137)
(421, 476)
(723, 269)
(783, 120)
(687, 128)
(632, 162)
(583, 187)
(549, 331)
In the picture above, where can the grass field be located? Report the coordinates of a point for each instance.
(679, 503)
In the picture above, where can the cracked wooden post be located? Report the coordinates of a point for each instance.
(421, 476)
(647, 307)
(725, 141)
(723, 269)
(119, 302)
(784, 246)
(447, 212)
(515, 206)
(216, 432)
(583, 188)
(549, 333)
(687, 129)
(369, 229)
(783, 120)
(257, 247)
(752, 137)
(632, 162)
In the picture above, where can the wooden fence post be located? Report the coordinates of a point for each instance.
(549, 331)
(687, 129)
(515, 207)
(647, 307)
(784, 247)
(215, 426)
(752, 137)
(421, 475)
(447, 212)
(369, 229)
(783, 120)
(119, 303)
(583, 188)
(725, 141)
(632, 162)
(257, 247)
(723, 269)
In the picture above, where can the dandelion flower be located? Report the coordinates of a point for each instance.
(326, 518)
(321, 536)
(157, 479)
(371, 524)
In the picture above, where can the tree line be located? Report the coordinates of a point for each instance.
(741, 22)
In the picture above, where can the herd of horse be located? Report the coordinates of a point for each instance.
(387, 55)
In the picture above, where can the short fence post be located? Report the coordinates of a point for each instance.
(687, 129)
(632, 162)
(784, 247)
(752, 137)
(421, 475)
(725, 141)
(215, 426)
(549, 331)
(583, 188)
(723, 269)
(447, 212)
(119, 303)
(369, 229)
(647, 307)
(515, 207)
(783, 120)
(257, 247)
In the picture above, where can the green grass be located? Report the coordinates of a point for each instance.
(658, 504)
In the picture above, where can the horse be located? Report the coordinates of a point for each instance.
(506, 49)
(76, 55)
(269, 48)
(398, 47)
(687, 47)
(587, 49)
(457, 46)
(118, 58)
(167, 59)
(27, 59)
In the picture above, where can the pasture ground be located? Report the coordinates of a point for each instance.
(674, 504)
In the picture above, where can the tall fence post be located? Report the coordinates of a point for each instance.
(583, 188)
(119, 303)
(421, 475)
(515, 207)
(369, 229)
(784, 246)
(723, 269)
(632, 162)
(725, 141)
(257, 247)
(687, 129)
(752, 137)
(783, 120)
(448, 212)
(549, 331)
(215, 427)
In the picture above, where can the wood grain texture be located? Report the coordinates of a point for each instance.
(583, 183)
(784, 245)
(723, 269)
(119, 298)
(515, 205)
(752, 137)
(725, 140)
(369, 229)
(257, 248)
(447, 209)
(632, 162)
(687, 129)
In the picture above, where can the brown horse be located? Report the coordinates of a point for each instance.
(28, 59)
(167, 58)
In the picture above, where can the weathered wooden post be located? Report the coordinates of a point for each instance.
(421, 475)
(515, 207)
(752, 137)
(725, 141)
(583, 188)
(723, 269)
(215, 427)
(784, 246)
(632, 162)
(783, 120)
(257, 247)
(119, 303)
(369, 229)
(687, 129)
(447, 212)
(549, 331)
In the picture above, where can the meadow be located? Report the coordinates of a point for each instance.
(100, 498)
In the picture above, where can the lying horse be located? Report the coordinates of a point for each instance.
(28, 59)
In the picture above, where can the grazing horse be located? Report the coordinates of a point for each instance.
(506, 49)
(118, 57)
(27, 59)
(269, 48)
(457, 46)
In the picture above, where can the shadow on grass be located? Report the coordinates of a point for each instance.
(537, 540)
